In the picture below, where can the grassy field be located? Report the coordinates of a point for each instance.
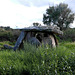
(38, 61)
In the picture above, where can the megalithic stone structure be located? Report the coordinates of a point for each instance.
(19, 40)
(37, 35)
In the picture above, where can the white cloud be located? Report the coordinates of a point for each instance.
(73, 25)
(71, 4)
(13, 15)
(23, 13)
(38, 3)
(7, 13)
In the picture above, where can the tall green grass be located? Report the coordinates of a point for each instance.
(39, 61)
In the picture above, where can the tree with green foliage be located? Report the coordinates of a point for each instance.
(59, 15)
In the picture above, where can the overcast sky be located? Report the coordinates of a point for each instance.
(22, 13)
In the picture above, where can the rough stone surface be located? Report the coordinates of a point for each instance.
(34, 41)
(19, 40)
(48, 29)
(47, 40)
(53, 41)
(8, 47)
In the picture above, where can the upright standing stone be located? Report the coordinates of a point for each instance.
(19, 40)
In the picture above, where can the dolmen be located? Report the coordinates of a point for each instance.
(37, 35)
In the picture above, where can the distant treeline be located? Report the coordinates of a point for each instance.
(6, 28)
(68, 35)
(9, 34)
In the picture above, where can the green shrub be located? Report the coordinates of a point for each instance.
(38, 61)
(9, 35)
(69, 35)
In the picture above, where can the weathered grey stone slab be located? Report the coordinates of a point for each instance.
(34, 41)
(19, 40)
(8, 47)
(48, 29)
(28, 36)
(47, 40)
